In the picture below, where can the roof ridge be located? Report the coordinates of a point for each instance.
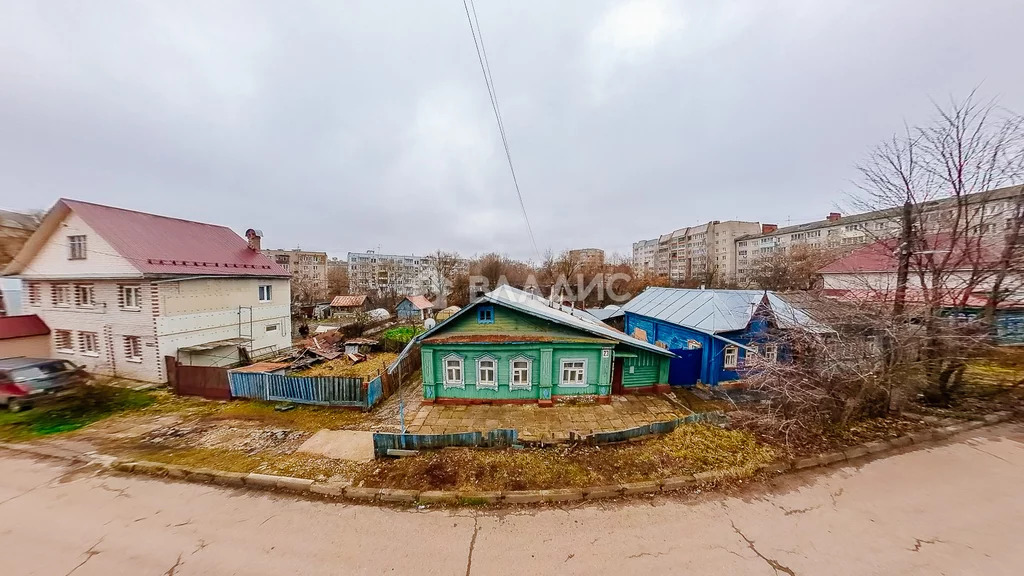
(71, 202)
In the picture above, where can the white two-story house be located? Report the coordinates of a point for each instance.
(121, 290)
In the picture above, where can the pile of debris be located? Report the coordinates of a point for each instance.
(325, 348)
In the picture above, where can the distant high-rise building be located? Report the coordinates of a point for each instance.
(589, 257)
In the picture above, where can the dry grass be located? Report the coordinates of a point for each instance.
(297, 465)
(367, 369)
(687, 450)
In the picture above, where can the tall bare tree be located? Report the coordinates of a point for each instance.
(443, 267)
(950, 234)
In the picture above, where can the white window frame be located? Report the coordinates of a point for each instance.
(271, 328)
(61, 290)
(136, 297)
(771, 352)
(726, 353)
(452, 382)
(582, 383)
(76, 247)
(70, 349)
(86, 290)
(512, 384)
(130, 343)
(266, 293)
(85, 350)
(491, 384)
(35, 294)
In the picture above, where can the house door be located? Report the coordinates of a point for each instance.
(684, 370)
(617, 375)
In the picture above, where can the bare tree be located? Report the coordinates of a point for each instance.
(793, 269)
(933, 174)
(443, 266)
(337, 280)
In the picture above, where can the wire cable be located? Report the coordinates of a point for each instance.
(485, 68)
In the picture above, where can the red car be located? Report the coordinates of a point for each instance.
(25, 382)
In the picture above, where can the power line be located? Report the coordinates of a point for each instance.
(485, 68)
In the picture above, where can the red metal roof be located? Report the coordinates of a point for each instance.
(22, 326)
(880, 256)
(420, 302)
(162, 245)
(348, 301)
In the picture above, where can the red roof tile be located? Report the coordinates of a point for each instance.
(420, 302)
(22, 326)
(348, 301)
(162, 245)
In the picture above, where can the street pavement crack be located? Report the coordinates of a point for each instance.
(472, 544)
(177, 563)
(778, 567)
(919, 542)
(92, 551)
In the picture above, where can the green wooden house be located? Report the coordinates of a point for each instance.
(515, 347)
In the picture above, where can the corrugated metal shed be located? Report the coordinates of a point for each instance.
(715, 311)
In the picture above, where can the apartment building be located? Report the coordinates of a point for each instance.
(304, 266)
(988, 213)
(588, 257)
(121, 290)
(645, 257)
(373, 273)
(695, 253)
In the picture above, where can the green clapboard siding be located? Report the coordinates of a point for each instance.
(433, 366)
(644, 370)
(508, 321)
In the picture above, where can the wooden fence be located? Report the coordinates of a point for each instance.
(320, 390)
(206, 381)
(382, 441)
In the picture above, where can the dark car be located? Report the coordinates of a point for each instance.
(28, 381)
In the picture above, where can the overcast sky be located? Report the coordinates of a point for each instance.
(346, 126)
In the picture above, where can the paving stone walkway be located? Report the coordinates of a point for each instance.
(536, 423)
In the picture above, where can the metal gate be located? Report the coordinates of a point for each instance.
(685, 369)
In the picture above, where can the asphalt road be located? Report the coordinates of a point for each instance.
(952, 508)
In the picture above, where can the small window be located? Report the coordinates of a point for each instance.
(519, 374)
(131, 297)
(771, 352)
(133, 348)
(88, 343)
(485, 315)
(574, 373)
(35, 297)
(62, 341)
(76, 247)
(272, 327)
(265, 293)
(731, 355)
(486, 369)
(453, 371)
(61, 294)
(84, 295)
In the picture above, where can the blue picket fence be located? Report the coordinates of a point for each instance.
(320, 390)
(382, 441)
(374, 392)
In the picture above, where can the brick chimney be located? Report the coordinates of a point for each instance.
(769, 228)
(253, 237)
(834, 216)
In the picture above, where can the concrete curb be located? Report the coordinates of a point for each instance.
(336, 490)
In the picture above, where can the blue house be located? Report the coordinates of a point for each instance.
(713, 332)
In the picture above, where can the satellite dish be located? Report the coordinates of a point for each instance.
(429, 323)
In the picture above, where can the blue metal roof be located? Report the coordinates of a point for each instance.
(716, 311)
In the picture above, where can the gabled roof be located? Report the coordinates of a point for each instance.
(715, 311)
(543, 308)
(157, 245)
(348, 301)
(420, 302)
(22, 326)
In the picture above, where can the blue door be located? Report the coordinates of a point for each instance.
(685, 369)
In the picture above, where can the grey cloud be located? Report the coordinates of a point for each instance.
(351, 125)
